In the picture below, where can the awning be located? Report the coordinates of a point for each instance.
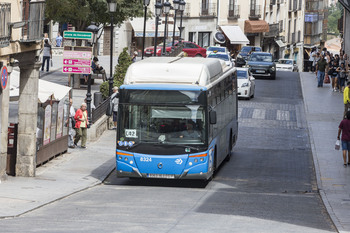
(280, 43)
(255, 26)
(137, 25)
(235, 34)
(46, 89)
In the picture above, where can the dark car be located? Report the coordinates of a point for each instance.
(192, 49)
(261, 64)
(243, 55)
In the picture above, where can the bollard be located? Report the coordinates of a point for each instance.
(97, 98)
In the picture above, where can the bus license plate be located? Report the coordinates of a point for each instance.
(162, 176)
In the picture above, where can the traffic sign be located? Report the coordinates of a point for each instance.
(77, 54)
(76, 69)
(76, 62)
(4, 77)
(77, 35)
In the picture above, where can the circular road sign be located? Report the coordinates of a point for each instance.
(4, 77)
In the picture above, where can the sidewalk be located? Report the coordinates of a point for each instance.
(324, 111)
(71, 172)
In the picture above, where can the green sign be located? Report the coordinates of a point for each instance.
(77, 35)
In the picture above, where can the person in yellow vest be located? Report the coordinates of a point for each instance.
(346, 99)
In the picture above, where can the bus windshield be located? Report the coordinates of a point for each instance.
(154, 124)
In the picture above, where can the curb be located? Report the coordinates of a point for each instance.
(322, 193)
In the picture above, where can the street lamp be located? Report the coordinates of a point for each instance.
(112, 8)
(158, 9)
(167, 7)
(176, 4)
(145, 5)
(181, 8)
(94, 29)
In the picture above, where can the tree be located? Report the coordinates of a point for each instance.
(80, 13)
(124, 61)
(334, 14)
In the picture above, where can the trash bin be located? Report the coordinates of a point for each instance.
(97, 98)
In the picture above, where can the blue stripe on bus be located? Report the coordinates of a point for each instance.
(153, 86)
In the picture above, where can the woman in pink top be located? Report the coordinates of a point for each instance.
(81, 118)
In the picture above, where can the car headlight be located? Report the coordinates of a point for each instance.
(239, 56)
(273, 68)
(248, 66)
(245, 84)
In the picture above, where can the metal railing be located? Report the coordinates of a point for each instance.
(34, 14)
(208, 9)
(255, 11)
(234, 13)
(5, 18)
(100, 110)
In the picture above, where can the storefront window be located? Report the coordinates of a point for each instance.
(60, 119)
(65, 116)
(40, 127)
(54, 121)
(204, 39)
(47, 125)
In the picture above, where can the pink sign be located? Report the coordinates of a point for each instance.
(76, 62)
(77, 54)
(76, 69)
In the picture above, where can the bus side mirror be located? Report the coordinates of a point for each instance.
(212, 117)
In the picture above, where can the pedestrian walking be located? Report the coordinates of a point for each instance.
(346, 99)
(134, 56)
(114, 105)
(321, 68)
(312, 60)
(344, 130)
(59, 40)
(81, 125)
(47, 55)
(342, 76)
(71, 125)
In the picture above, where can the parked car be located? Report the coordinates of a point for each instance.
(287, 65)
(243, 55)
(261, 64)
(245, 83)
(216, 49)
(222, 56)
(192, 49)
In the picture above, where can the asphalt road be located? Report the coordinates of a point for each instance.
(269, 184)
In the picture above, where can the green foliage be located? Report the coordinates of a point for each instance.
(334, 14)
(80, 13)
(124, 61)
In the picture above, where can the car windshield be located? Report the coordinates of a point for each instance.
(155, 124)
(217, 49)
(246, 49)
(287, 62)
(260, 57)
(220, 56)
(242, 74)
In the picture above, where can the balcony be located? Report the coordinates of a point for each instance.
(313, 29)
(5, 18)
(273, 30)
(208, 10)
(234, 14)
(313, 6)
(33, 21)
(255, 12)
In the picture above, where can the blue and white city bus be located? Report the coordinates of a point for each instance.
(177, 118)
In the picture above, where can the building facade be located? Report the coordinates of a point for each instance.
(21, 33)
